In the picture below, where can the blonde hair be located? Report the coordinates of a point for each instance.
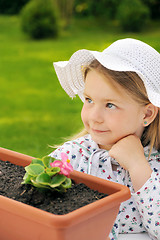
(132, 83)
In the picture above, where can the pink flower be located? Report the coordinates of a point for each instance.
(63, 164)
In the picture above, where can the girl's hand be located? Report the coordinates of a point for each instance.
(129, 153)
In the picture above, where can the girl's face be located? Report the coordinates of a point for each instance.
(109, 113)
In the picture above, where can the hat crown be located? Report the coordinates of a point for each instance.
(140, 57)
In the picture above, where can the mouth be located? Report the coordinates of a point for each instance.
(99, 131)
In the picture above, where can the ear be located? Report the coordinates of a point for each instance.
(150, 113)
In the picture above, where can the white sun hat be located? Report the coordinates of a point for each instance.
(122, 55)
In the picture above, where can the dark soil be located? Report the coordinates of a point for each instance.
(78, 196)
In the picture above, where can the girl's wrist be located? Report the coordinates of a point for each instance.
(139, 175)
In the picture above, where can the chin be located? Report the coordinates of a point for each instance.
(102, 144)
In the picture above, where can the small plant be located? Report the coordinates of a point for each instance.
(49, 173)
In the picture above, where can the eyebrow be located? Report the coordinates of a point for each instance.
(105, 99)
(85, 94)
(111, 100)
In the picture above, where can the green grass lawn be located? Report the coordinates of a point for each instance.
(34, 111)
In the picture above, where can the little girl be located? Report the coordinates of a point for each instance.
(120, 88)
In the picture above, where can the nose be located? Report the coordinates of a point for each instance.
(96, 115)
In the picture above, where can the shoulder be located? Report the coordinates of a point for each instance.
(154, 158)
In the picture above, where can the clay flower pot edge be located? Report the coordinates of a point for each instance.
(89, 222)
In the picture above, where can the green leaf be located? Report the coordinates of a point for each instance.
(57, 180)
(34, 169)
(34, 183)
(47, 160)
(67, 183)
(52, 171)
(37, 161)
(43, 178)
(26, 178)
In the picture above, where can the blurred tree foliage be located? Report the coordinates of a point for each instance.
(133, 15)
(38, 19)
(154, 6)
(11, 6)
(65, 10)
(102, 10)
(108, 8)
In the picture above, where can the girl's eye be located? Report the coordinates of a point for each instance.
(110, 105)
(88, 100)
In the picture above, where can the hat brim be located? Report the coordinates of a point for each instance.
(71, 73)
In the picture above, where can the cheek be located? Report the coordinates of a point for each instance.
(118, 123)
(113, 119)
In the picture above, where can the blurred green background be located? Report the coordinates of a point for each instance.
(35, 112)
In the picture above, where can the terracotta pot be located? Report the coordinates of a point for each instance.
(20, 221)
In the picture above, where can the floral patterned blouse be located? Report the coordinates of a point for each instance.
(141, 213)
